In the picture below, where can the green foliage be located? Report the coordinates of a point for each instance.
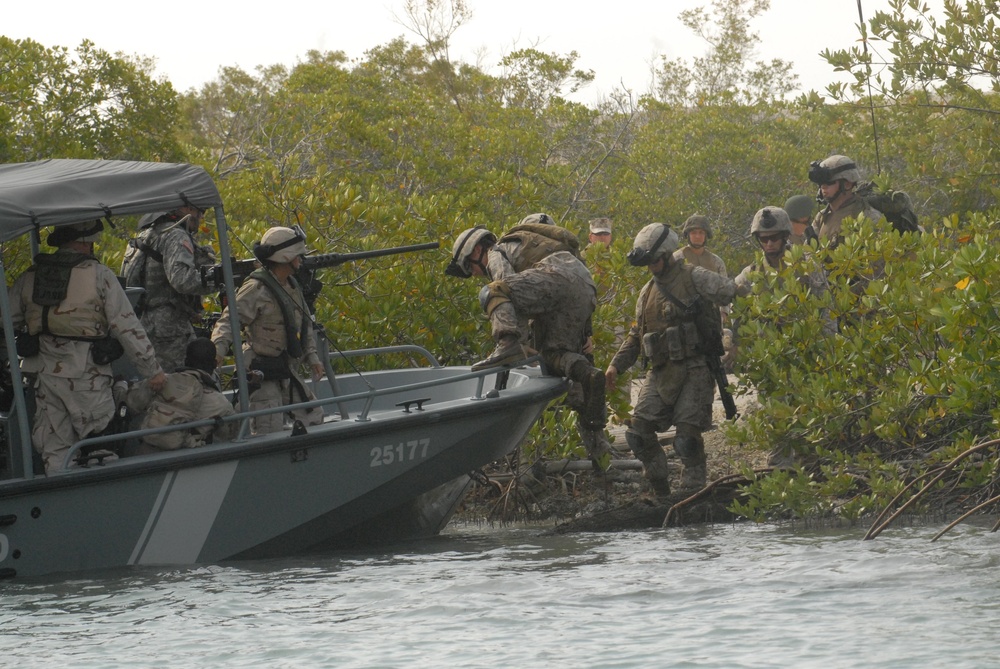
(907, 379)
(90, 105)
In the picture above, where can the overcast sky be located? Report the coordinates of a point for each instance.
(618, 40)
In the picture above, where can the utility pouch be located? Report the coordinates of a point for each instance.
(691, 339)
(651, 346)
(273, 368)
(675, 343)
(27, 345)
(105, 351)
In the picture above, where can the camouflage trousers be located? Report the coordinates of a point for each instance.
(676, 393)
(273, 394)
(169, 331)
(66, 411)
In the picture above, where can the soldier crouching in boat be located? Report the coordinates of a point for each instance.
(277, 328)
(191, 393)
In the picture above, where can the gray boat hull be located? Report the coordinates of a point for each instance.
(396, 475)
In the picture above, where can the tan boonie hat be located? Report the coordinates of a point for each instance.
(600, 226)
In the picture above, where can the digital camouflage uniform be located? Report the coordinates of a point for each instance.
(263, 327)
(679, 388)
(189, 395)
(73, 396)
(173, 289)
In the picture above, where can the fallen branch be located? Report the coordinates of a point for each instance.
(939, 473)
(738, 479)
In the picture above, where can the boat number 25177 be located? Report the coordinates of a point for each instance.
(404, 451)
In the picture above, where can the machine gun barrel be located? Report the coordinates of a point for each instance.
(335, 259)
(212, 275)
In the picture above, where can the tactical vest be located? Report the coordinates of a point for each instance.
(538, 241)
(153, 277)
(659, 313)
(293, 336)
(80, 314)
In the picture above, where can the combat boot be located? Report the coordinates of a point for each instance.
(654, 461)
(508, 353)
(692, 454)
(594, 413)
(599, 449)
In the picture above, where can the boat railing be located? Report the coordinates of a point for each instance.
(367, 396)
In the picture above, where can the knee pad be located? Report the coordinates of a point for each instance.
(493, 295)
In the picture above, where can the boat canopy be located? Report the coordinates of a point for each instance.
(65, 191)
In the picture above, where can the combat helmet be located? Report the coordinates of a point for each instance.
(833, 169)
(281, 244)
(462, 250)
(653, 242)
(800, 206)
(770, 220)
(697, 222)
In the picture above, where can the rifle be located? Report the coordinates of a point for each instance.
(211, 275)
(722, 381)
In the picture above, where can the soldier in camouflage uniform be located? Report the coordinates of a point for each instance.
(677, 324)
(191, 393)
(772, 228)
(278, 331)
(166, 261)
(836, 177)
(534, 272)
(697, 231)
(800, 210)
(77, 309)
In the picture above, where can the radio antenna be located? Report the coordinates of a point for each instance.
(868, 78)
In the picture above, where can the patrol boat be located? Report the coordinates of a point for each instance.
(391, 460)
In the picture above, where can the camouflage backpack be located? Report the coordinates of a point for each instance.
(541, 240)
(895, 205)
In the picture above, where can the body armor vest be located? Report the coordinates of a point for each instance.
(80, 314)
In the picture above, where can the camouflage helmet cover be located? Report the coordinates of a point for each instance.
(697, 222)
(653, 242)
(464, 245)
(770, 220)
(543, 219)
(281, 244)
(834, 168)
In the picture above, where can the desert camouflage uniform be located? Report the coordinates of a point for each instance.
(189, 394)
(263, 326)
(557, 294)
(675, 392)
(73, 398)
(173, 291)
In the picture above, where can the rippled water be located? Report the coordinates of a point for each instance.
(720, 596)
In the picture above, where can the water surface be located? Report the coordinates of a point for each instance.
(718, 596)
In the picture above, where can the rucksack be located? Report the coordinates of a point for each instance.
(541, 240)
(895, 205)
(134, 264)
